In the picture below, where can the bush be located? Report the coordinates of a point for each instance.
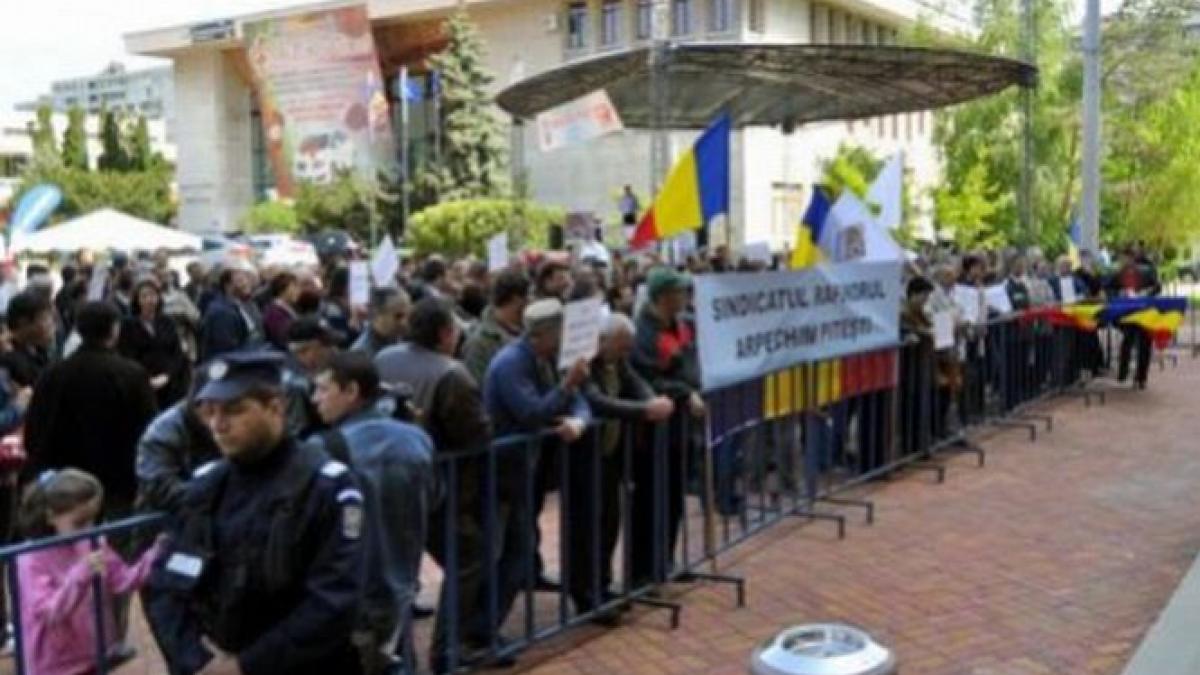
(271, 217)
(143, 194)
(464, 227)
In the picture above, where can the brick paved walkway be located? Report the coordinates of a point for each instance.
(1053, 559)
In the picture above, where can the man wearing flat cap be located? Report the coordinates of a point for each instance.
(665, 355)
(524, 394)
(264, 570)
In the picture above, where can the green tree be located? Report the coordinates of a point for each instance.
(74, 144)
(852, 168)
(988, 132)
(464, 227)
(964, 213)
(141, 154)
(473, 162)
(41, 133)
(271, 216)
(346, 202)
(113, 156)
(145, 194)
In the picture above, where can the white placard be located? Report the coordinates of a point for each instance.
(1066, 286)
(758, 251)
(497, 252)
(98, 284)
(997, 298)
(969, 301)
(943, 330)
(360, 283)
(385, 263)
(582, 321)
(749, 325)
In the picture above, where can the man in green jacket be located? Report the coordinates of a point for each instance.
(501, 323)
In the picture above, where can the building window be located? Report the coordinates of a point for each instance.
(645, 19)
(577, 19)
(610, 23)
(758, 19)
(720, 15)
(921, 123)
(681, 17)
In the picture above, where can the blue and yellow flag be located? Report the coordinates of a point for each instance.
(807, 252)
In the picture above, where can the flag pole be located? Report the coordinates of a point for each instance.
(404, 159)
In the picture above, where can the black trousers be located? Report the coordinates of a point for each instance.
(657, 502)
(593, 513)
(1131, 337)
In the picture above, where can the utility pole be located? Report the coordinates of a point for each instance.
(1090, 224)
(1028, 90)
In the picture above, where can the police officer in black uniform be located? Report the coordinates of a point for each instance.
(264, 569)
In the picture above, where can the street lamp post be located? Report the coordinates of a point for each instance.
(1090, 223)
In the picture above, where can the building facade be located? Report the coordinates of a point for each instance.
(222, 170)
(149, 92)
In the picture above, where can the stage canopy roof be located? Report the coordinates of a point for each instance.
(782, 85)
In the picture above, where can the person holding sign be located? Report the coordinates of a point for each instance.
(524, 393)
(616, 394)
(948, 326)
(664, 354)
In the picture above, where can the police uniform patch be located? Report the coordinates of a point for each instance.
(333, 469)
(352, 520)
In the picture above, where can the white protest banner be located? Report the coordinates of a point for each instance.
(943, 330)
(497, 252)
(752, 324)
(98, 284)
(1066, 286)
(385, 263)
(360, 283)
(757, 252)
(997, 298)
(582, 321)
(970, 302)
(587, 117)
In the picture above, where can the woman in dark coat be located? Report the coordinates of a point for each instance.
(150, 337)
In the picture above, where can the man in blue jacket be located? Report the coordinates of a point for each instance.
(394, 462)
(524, 394)
(231, 320)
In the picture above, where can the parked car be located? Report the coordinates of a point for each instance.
(282, 249)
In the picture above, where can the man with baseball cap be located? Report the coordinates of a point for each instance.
(264, 569)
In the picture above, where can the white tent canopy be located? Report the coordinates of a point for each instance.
(104, 230)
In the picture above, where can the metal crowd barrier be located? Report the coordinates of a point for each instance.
(642, 505)
(10, 554)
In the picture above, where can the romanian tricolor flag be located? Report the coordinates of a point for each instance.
(1159, 317)
(807, 252)
(696, 191)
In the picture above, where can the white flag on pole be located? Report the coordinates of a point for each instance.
(887, 192)
(851, 233)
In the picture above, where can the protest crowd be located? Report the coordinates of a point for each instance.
(359, 439)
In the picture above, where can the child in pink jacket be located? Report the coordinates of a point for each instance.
(57, 610)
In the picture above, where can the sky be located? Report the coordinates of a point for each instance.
(57, 39)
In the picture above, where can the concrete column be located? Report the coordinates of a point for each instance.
(213, 138)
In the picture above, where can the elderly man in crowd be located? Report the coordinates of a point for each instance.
(524, 394)
(231, 320)
(621, 399)
(389, 309)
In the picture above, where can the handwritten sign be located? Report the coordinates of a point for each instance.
(1066, 286)
(582, 321)
(497, 252)
(997, 298)
(943, 330)
(385, 263)
(360, 283)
